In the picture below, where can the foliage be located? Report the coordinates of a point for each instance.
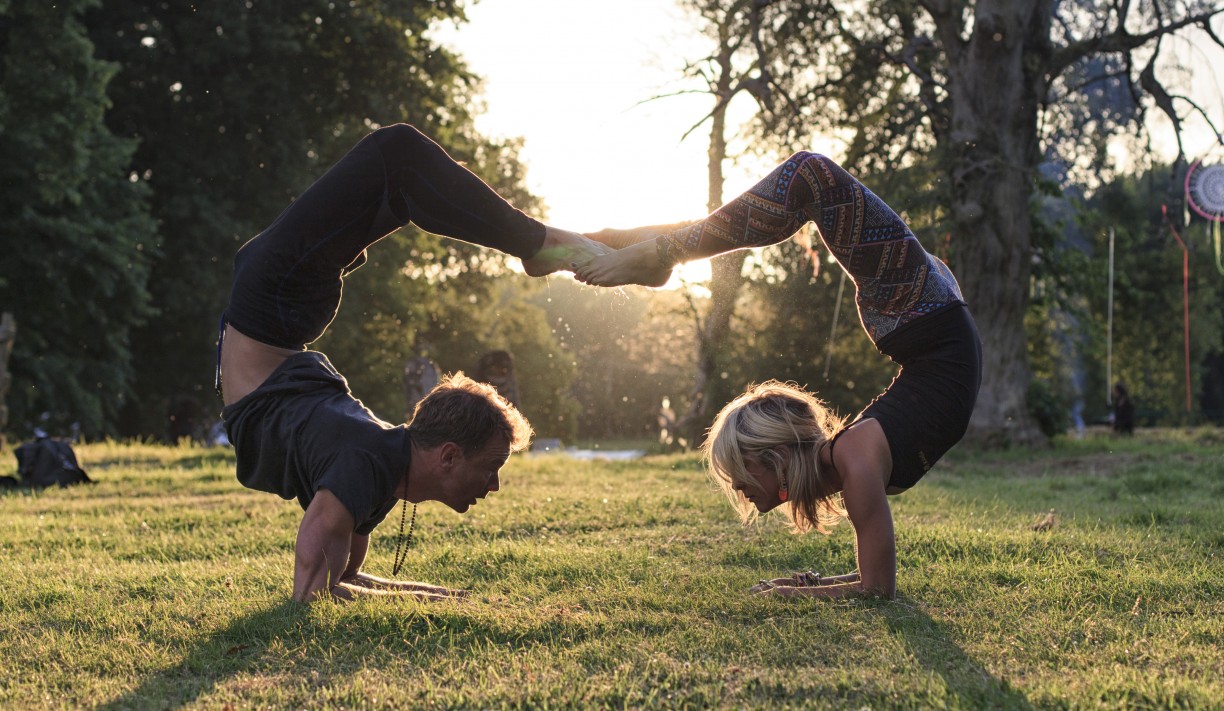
(978, 94)
(1148, 345)
(784, 330)
(623, 584)
(509, 318)
(631, 348)
(76, 238)
(237, 108)
(1048, 407)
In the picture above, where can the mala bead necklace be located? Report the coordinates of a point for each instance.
(401, 548)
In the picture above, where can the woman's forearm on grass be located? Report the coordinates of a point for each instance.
(847, 578)
(830, 591)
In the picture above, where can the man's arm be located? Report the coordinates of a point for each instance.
(359, 583)
(359, 544)
(323, 544)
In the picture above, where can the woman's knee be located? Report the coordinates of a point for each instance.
(802, 157)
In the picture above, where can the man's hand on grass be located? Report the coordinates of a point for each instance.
(425, 591)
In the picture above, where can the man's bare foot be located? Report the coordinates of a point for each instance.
(561, 250)
(636, 264)
(619, 239)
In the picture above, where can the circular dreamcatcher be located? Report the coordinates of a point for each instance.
(1205, 195)
(1205, 190)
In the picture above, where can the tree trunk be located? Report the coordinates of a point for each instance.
(992, 160)
(727, 269)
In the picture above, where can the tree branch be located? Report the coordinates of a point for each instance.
(1119, 41)
(1152, 85)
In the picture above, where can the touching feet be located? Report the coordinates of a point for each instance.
(635, 264)
(560, 251)
(620, 239)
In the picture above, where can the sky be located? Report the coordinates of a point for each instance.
(574, 78)
(570, 76)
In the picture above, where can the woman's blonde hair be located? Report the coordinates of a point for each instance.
(783, 426)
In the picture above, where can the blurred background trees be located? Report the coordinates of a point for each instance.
(78, 241)
(144, 142)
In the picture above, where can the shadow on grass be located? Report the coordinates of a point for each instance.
(285, 646)
(967, 683)
(225, 654)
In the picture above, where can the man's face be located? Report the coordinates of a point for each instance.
(474, 477)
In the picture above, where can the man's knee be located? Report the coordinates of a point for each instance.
(401, 139)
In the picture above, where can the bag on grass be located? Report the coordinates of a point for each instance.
(48, 462)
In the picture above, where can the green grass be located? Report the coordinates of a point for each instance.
(166, 585)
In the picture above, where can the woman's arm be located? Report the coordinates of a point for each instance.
(875, 544)
(864, 462)
(800, 580)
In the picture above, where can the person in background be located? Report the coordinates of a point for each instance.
(1123, 410)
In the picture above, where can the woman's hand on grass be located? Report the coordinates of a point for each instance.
(801, 580)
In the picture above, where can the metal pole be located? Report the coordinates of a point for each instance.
(841, 285)
(1109, 327)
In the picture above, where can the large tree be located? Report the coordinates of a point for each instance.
(75, 233)
(976, 91)
(737, 66)
(237, 107)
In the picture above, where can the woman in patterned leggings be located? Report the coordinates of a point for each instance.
(778, 444)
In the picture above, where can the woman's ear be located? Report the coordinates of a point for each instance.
(779, 457)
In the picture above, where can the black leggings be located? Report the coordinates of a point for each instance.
(288, 279)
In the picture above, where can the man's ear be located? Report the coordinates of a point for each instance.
(449, 454)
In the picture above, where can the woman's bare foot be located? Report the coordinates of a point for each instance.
(560, 251)
(636, 264)
(620, 239)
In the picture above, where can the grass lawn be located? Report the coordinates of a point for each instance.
(623, 584)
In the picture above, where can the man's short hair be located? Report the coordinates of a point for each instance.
(468, 413)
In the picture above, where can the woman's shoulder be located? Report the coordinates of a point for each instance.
(861, 449)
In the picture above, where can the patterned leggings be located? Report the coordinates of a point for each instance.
(896, 280)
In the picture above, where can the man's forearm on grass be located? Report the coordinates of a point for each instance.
(373, 582)
(837, 590)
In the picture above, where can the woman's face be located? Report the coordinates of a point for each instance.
(763, 489)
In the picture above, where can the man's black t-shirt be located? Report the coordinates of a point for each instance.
(302, 430)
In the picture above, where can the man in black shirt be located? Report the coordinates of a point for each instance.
(297, 430)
